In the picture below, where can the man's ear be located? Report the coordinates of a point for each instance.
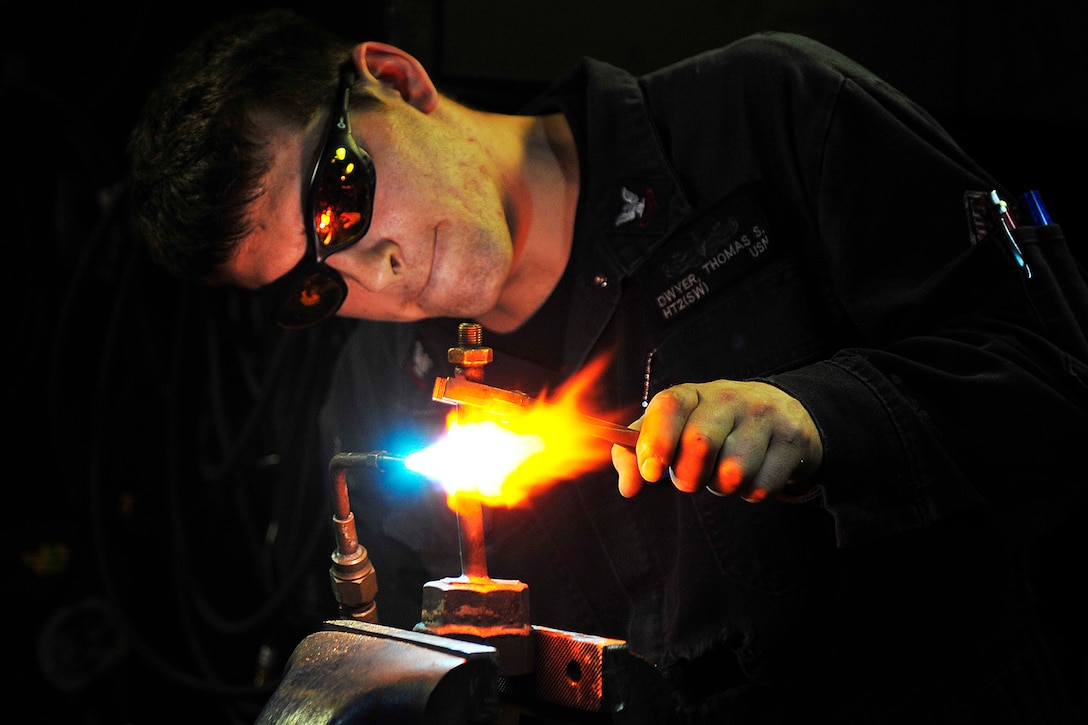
(394, 68)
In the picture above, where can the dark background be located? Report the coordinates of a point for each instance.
(167, 511)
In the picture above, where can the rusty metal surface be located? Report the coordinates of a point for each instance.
(491, 611)
(571, 668)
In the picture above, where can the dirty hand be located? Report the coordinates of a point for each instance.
(747, 438)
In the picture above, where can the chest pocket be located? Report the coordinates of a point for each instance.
(727, 299)
(765, 323)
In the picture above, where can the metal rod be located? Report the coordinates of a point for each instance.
(509, 403)
(470, 357)
(470, 533)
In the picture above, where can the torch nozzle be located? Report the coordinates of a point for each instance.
(379, 460)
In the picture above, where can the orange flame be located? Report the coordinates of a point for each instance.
(502, 462)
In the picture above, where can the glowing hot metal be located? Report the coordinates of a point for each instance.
(506, 404)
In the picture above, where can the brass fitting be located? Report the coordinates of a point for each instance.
(471, 355)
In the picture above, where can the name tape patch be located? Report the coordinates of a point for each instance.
(701, 257)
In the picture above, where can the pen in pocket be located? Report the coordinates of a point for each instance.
(1008, 224)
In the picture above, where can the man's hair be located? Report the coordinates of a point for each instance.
(197, 157)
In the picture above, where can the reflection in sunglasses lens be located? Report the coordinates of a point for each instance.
(317, 296)
(342, 199)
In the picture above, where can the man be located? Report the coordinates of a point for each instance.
(808, 305)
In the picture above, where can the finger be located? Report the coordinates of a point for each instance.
(701, 443)
(632, 475)
(800, 488)
(626, 464)
(695, 460)
(741, 456)
(727, 481)
(687, 485)
(661, 426)
(778, 467)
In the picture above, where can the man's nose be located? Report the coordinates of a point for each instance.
(375, 266)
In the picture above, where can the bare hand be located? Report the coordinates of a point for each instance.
(747, 438)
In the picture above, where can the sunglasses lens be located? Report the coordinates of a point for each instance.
(343, 198)
(341, 201)
(313, 299)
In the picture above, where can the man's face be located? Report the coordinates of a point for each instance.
(439, 242)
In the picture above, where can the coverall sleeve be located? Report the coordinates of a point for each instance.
(957, 397)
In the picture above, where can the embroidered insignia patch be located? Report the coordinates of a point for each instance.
(976, 204)
(421, 367)
(642, 207)
(700, 258)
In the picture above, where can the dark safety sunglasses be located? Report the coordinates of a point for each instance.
(338, 206)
